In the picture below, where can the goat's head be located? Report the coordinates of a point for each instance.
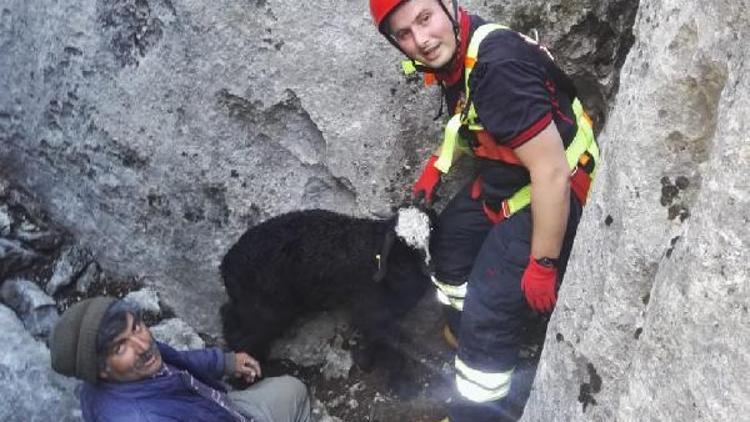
(411, 226)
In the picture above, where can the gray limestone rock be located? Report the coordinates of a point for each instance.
(5, 221)
(147, 300)
(30, 390)
(317, 342)
(71, 264)
(41, 240)
(35, 308)
(16, 222)
(652, 322)
(178, 334)
(588, 38)
(319, 413)
(158, 131)
(91, 275)
(338, 361)
(15, 257)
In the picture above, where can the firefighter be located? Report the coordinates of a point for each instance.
(504, 239)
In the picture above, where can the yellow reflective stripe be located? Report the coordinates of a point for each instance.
(471, 118)
(584, 137)
(518, 200)
(442, 298)
(450, 135)
(582, 142)
(408, 67)
(449, 294)
(457, 304)
(450, 289)
(473, 51)
(479, 386)
(479, 35)
(586, 131)
(450, 139)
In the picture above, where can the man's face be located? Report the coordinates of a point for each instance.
(133, 354)
(423, 30)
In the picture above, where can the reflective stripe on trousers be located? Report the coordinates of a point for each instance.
(479, 386)
(449, 294)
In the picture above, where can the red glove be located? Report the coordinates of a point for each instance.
(538, 285)
(428, 181)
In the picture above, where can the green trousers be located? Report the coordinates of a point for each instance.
(278, 399)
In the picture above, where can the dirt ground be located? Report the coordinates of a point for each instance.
(422, 390)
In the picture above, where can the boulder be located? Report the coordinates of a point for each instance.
(5, 221)
(30, 390)
(69, 266)
(317, 341)
(147, 300)
(15, 257)
(90, 277)
(178, 334)
(36, 309)
(652, 321)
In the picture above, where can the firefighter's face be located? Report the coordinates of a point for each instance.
(424, 31)
(133, 354)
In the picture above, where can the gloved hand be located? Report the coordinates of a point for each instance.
(538, 286)
(428, 181)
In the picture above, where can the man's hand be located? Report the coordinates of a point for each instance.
(246, 367)
(428, 181)
(538, 286)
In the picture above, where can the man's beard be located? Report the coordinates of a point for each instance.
(140, 363)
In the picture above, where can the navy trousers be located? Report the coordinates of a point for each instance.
(492, 258)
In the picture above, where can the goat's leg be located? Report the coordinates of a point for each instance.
(376, 325)
(252, 327)
(382, 344)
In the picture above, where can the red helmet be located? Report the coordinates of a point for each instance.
(380, 9)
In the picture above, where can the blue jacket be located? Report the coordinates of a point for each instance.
(160, 399)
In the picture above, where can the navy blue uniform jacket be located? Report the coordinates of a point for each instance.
(160, 399)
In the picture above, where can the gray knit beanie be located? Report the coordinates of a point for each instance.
(73, 340)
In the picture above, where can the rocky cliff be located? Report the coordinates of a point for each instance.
(156, 131)
(652, 323)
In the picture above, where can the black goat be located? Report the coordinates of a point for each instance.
(316, 260)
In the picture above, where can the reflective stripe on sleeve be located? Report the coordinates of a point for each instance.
(479, 386)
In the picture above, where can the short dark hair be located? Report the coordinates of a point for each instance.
(114, 322)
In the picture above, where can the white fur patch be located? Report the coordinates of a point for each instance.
(413, 226)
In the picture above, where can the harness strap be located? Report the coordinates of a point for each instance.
(488, 148)
(468, 116)
(582, 155)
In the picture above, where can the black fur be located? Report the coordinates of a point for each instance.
(317, 260)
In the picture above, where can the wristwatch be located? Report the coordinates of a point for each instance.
(548, 262)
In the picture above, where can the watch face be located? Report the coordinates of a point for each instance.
(547, 262)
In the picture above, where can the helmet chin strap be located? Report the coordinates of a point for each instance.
(454, 18)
